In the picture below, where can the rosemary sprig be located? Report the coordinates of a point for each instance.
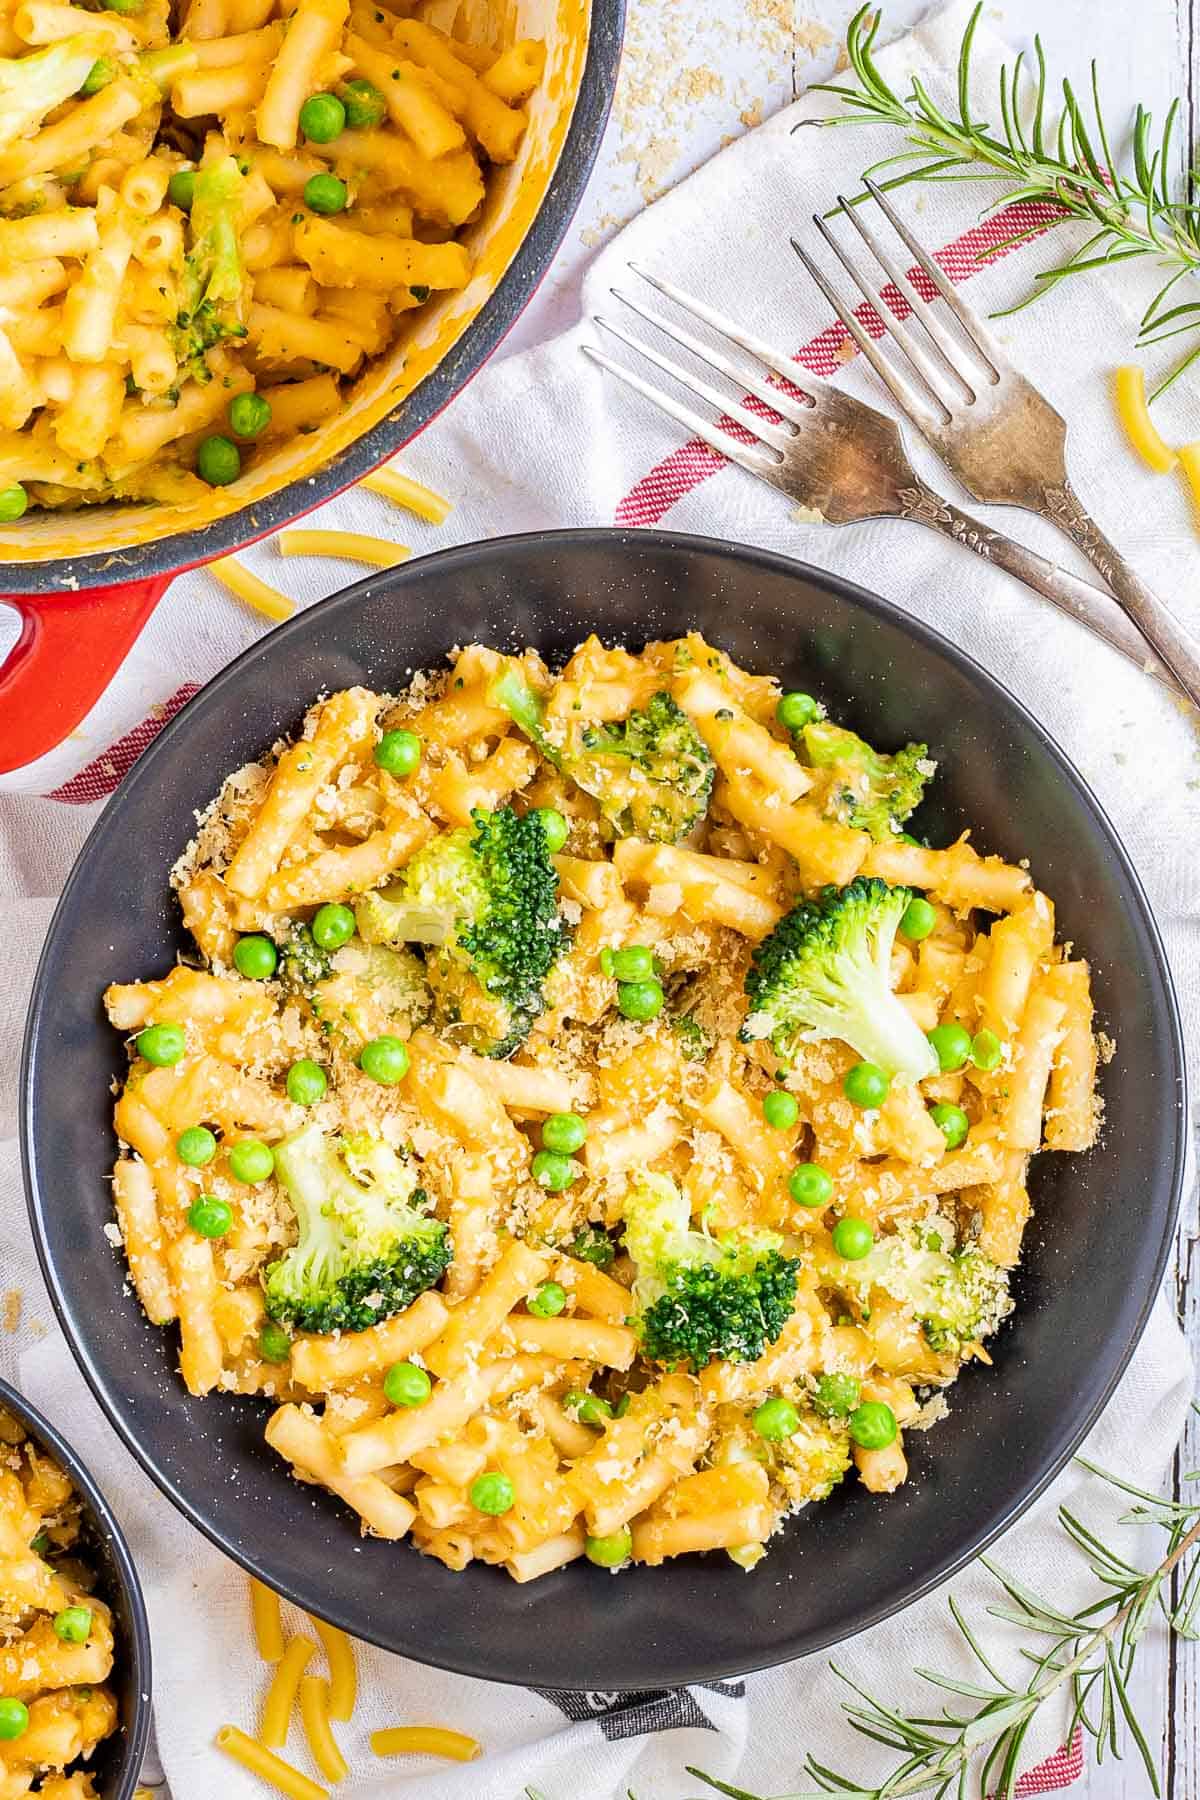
(1091, 1653)
(1133, 207)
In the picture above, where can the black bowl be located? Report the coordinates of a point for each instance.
(1093, 1263)
(118, 1761)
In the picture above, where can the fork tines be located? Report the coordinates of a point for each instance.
(755, 437)
(954, 374)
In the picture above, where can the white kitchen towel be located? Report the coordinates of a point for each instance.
(544, 439)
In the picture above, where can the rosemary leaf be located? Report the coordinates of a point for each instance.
(1067, 161)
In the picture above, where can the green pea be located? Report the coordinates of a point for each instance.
(633, 963)
(322, 118)
(606, 962)
(795, 711)
(852, 1239)
(564, 1132)
(555, 829)
(365, 105)
(210, 1217)
(274, 1344)
(951, 1045)
(836, 1395)
(407, 1384)
(866, 1084)
(251, 1161)
(218, 460)
(13, 501)
(873, 1425)
(97, 77)
(589, 1409)
(181, 189)
(325, 194)
(196, 1146)
(491, 1493)
(255, 956)
(385, 1060)
(987, 1052)
(780, 1109)
(333, 927)
(952, 1122)
(776, 1419)
(73, 1624)
(918, 920)
(640, 1000)
(810, 1185)
(249, 415)
(40, 1545)
(14, 1719)
(610, 1552)
(162, 1045)
(555, 1172)
(306, 1082)
(397, 752)
(549, 1300)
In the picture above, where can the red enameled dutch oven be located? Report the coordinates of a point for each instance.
(85, 582)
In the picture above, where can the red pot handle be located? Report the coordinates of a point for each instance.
(71, 645)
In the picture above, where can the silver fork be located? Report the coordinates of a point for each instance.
(987, 423)
(835, 454)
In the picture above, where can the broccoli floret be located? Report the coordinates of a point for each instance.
(869, 790)
(302, 962)
(694, 1042)
(366, 1247)
(959, 1296)
(486, 901)
(592, 1244)
(30, 86)
(804, 1466)
(650, 773)
(698, 1297)
(824, 972)
(809, 1464)
(213, 287)
(836, 1394)
(370, 978)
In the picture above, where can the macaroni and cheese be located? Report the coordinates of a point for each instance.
(591, 1118)
(56, 1640)
(207, 228)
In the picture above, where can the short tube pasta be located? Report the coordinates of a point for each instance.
(270, 1768)
(268, 1624)
(281, 1695)
(343, 1677)
(315, 1714)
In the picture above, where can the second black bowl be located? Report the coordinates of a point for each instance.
(1095, 1252)
(117, 1763)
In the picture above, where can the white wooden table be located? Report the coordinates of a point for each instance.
(696, 75)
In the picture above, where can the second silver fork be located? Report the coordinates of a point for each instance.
(835, 455)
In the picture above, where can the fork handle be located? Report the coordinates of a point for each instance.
(1174, 644)
(1080, 599)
